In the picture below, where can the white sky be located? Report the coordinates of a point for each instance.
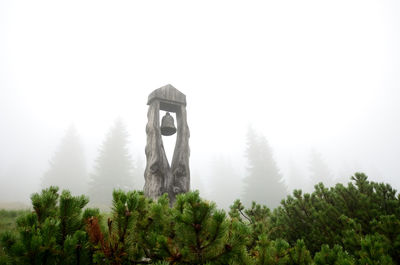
(306, 74)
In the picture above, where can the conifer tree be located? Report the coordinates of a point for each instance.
(319, 170)
(333, 256)
(262, 249)
(264, 183)
(347, 216)
(203, 235)
(356, 224)
(67, 167)
(114, 166)
(52, 233)
(144, 231)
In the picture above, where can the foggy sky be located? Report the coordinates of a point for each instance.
(305, 74)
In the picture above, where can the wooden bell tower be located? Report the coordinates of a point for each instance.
(160, 176)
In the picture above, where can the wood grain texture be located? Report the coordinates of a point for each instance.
(167, 93)
(159, 176)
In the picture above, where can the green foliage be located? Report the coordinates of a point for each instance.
(338, 215)
(262, 249)
(192, 232)
(357, 224)
(271, 252)
(334, 256)
(119, 244)
(8, 218)
(388, 226)
(44, 204)
(51, 234)
(352, 225)
(256, 217)
(374, 250)
(76, 249)
(299, 254)
(203, 234)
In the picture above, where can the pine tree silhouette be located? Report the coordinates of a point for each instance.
(263, 183)
(67, 166)
(114, 166)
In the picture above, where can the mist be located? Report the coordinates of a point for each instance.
(320, 81)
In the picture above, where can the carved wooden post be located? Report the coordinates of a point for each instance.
(159, 176)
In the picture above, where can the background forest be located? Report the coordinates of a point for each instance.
(114, 168)
(357, 222)
(318, 80)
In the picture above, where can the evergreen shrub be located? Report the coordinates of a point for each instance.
(354, 224)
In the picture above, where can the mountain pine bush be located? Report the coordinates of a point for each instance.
(354, 224)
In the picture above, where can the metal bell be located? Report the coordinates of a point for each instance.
(167, 125)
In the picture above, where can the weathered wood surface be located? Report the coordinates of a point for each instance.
(180, 159)
(160, 177)
(168, 95)
(157, 169)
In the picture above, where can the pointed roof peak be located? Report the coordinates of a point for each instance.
(168, 94)
(167, 86)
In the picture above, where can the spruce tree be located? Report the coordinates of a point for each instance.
(114, 166)
(264, 183)
(67, 167)
(319, 170)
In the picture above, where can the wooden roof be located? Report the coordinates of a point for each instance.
(167, 94)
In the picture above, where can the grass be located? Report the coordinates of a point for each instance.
(8, 218)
